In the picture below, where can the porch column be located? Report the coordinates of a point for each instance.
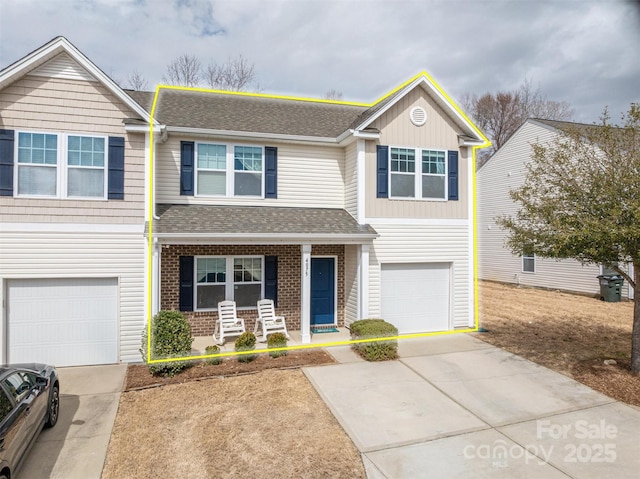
(363, 284)
(305, 295)
(155, 278)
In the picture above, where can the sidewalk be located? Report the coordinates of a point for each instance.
(454, 406)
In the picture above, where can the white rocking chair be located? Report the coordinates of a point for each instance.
(228, 323)
(268, 319)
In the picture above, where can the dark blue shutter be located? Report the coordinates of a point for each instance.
(115, 188)
(271, 172)
(186, 167)
(186, 283)
(453, 175)
(6, 162)
(382, 169)
(271, 278)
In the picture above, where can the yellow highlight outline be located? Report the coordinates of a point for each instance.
(433, 83)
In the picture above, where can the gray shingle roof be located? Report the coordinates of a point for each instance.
(256, 221)
(229, 112)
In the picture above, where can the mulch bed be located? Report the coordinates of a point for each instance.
(139, 377)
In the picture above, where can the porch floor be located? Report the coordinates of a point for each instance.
(201, 342)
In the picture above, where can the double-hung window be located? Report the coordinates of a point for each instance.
(86, 157)
(213, 284)
(212, 169)
(229, 170)
(417, 173)
(528, 260)
(61, 165)
(211, 280)
(37, 164)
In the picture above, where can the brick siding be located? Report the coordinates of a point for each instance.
(289, 278)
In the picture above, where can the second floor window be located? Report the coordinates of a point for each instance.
(61, 165)
(417, 173)
(229, 170)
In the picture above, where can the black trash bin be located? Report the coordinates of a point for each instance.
(610, 287)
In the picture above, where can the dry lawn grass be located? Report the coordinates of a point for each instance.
(568, 333)
(268, 424)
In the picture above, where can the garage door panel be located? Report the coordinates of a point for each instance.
(415, 296)
(65, 322)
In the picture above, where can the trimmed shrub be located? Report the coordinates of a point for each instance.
(375, 350)
(170, 338)
(246, 342)
(277, 340)
(212, 350)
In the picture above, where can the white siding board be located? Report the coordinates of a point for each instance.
(423, 244)
(506, 171)
(350, 284)
(351, 179)
(78, 255)
(311, 176)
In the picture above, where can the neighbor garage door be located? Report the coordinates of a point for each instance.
(64, 322)
(415, 296)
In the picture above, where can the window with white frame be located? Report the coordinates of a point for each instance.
(229, 170)
(426, 178)
(86, 176)
(247, 281)
(37, 164)
(212, 169)
(61, 165)
(213, 284)
(433, 174)
(528, 260)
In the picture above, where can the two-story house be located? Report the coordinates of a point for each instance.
(336, 211)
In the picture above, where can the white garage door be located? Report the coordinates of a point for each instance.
(415, 296)
(64, 322)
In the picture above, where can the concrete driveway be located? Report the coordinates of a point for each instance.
(76, 447)
(454, 406)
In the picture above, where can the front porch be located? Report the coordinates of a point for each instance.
(201, 342)
(313, 264)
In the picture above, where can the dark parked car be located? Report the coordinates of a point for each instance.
(29, 400)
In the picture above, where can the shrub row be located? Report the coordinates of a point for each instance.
(375, 350)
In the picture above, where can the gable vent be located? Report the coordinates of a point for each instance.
(418, 116)
(62, 66)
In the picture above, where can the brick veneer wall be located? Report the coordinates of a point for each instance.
(289, 278)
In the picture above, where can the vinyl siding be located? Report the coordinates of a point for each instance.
(350, 284)
(84, 255)
(310, 176)
(421, 244)
(506, 171)
(396, 129)
(41, 104)
(351, 179)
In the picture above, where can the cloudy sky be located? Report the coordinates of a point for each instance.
(580, 51)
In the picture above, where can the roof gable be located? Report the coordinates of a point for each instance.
(424, 81)
(61, 59)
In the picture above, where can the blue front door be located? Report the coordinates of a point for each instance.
(323, 293)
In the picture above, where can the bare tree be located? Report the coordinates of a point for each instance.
(499, 115)
(183, 71)
(136, 81)
(333, 95)
(236, 74)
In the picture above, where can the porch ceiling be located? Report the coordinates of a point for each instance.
(253, 224)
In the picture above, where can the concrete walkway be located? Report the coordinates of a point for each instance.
(76, 447)
(454, 406)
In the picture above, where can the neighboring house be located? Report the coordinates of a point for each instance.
(505, 171)
(72, 212)
(336, 211)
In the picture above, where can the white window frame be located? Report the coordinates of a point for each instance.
(62, 167)
(229, 279)
(230, 171)
(418, 174)
(532, 258)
